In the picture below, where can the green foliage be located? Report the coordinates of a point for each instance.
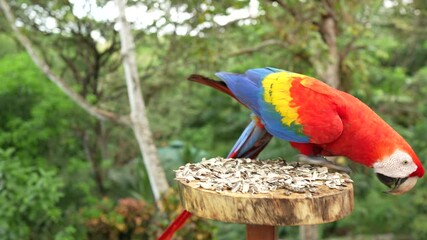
(176, 154)
(8, 45)
(29, 198)
(130, 180)
(26, 109)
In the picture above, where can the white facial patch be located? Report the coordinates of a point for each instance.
(397, 165)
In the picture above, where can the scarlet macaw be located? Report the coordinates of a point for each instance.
(318, 120)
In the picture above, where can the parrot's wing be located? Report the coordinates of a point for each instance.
(292, 106)
(248, 88)
(299, 109)
(320, 112)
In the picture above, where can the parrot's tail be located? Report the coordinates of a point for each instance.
(218, 85)
(175, 225)
(221, 86)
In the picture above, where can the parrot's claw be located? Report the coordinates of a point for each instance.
(322, 161)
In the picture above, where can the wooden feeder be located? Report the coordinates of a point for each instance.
(262, 212)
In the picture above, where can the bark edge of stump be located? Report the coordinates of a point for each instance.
(274, 209)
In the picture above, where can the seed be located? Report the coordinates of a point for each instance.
(256, 176)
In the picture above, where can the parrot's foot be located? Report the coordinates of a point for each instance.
(322, 161)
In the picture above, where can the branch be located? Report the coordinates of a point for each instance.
(264, 44)
(60, 82)
(70, 64)
(115, 45)
(350, 46)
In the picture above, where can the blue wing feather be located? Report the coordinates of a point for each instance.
(273, 124)
(243, 88)
(258, 74)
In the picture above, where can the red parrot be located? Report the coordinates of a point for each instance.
(318, 120)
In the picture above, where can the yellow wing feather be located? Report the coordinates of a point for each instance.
(277, 92)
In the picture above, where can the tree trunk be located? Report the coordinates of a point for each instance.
(330, 73)
(140, 124)
(94, 163)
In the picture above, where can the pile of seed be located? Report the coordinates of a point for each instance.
(259, 176)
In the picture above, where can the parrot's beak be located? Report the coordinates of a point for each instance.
(398, 186)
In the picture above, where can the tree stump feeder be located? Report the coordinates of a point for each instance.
(264, 194)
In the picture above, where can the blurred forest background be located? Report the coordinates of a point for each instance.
(65, 174)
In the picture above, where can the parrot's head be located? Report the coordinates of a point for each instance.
(399, 171)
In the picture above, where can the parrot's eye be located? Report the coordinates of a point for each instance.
(405, 162)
